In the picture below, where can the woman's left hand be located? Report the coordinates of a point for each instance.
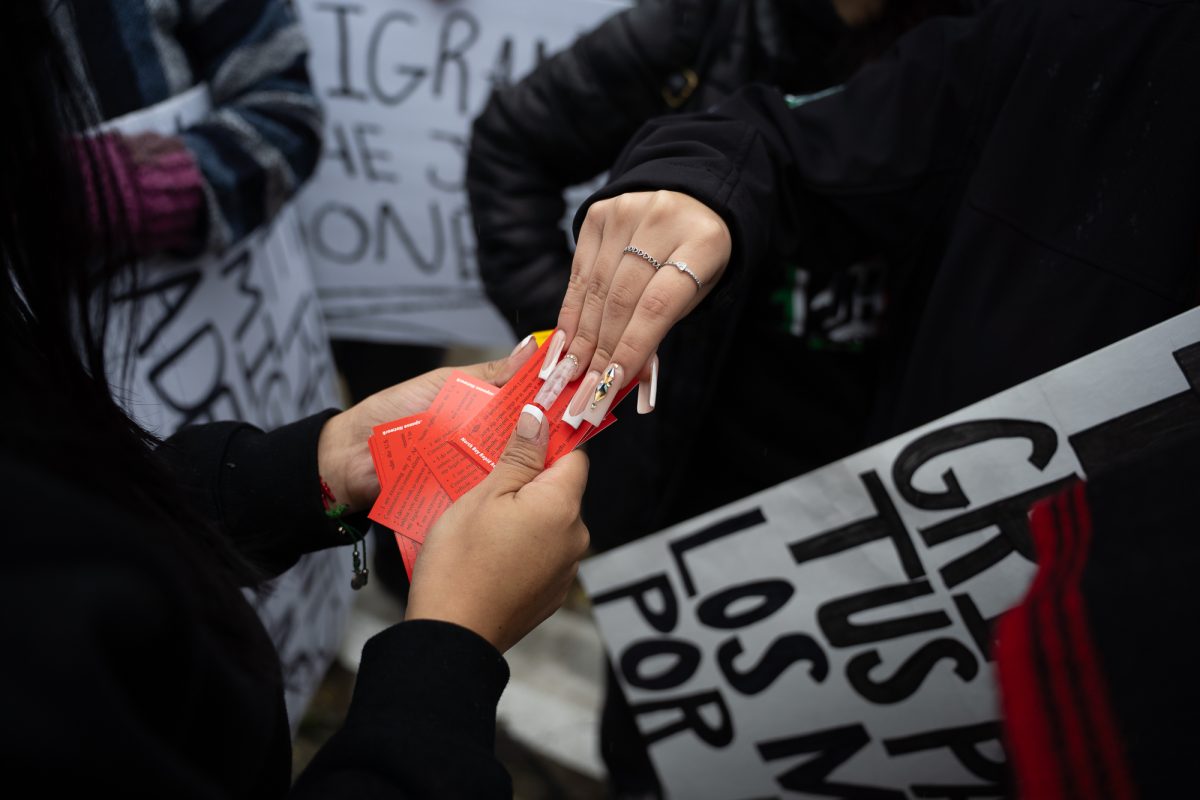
(343, 455)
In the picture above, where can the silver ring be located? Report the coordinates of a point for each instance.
(683, 267)
(640, 253)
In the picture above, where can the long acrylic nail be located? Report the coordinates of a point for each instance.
(579, 403)
(563, 374)
(552, 353)
(530, 422)
(521, 345)
(603, 393)
(648, 393)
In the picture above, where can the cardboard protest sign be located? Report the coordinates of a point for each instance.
(239, 336)
(831, 636)
(386, 215)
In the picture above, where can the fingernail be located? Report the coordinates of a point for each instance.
(530, 422)
(521, 345)
(603, 393)
(563, 374)
(648, 394)
(552, 353)
(579, 403)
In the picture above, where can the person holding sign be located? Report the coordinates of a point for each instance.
(222, 177)
(134, 665)
(210, 127)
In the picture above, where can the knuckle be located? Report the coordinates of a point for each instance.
(491, 369)
(521, 456)
(601, 358)
(594, 302)
(576, 284)
(597, 285)
(712, 230)
(630, 353)
(593, 221)
(621, 300)
(583, 337)
(655, 305)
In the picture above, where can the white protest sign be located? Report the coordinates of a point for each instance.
(830, 636)
(239, 337)
(386, 215)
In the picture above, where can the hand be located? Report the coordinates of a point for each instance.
(343, 456)
(618, 306)
(502, 559)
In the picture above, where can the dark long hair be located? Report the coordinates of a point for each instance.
(59, 250)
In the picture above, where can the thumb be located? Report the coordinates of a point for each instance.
(525, 456)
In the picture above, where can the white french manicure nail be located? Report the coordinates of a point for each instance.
(579, 403)
(521, 345)
(648, 395)
(530, 422)
(603, 393)
(563, 374)
(552, 353)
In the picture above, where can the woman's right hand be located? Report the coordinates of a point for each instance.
(502, 559)
(619, 304)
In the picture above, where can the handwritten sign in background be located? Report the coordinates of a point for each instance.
(830, 636)
(386, 216)
(239, 336)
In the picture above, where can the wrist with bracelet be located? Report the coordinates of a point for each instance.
(337, 512)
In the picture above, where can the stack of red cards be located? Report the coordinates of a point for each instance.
(427, 461)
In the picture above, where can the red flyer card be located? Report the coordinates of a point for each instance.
(609, 419)
(408, 552)
(389, 441)
(490, 429)
(454, 473)
(426, 461)
(563, 438)
(400, 484)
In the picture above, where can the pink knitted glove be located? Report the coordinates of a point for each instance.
(155, 180)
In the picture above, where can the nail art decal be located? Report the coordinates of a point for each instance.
(605, 385)
(606, 391)
(563, 374)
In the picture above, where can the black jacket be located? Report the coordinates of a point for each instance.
(1033, 175)
(566, 123)
(134, 667)
(568, 120)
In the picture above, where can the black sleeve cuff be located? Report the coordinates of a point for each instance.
(722, 162)
(422, 722)
(262, 489)
(433, 675)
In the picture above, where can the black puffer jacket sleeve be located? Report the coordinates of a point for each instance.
(564, 124)
(260, 489)
(864, 167)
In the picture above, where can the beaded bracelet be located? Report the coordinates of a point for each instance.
(335, 511)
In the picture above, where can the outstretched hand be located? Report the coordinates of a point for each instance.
(621, 303)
